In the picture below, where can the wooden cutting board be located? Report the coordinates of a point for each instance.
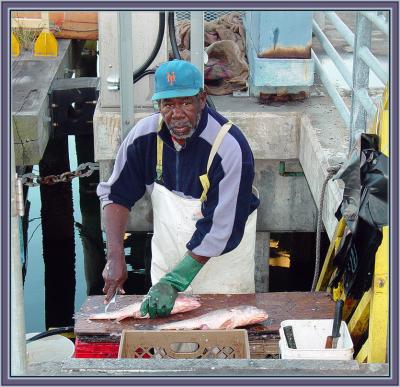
(279, 306)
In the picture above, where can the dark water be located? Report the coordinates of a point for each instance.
(64, 266)
(34, 287)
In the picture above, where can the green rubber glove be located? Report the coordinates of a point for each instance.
(161, 297)
(159, 300)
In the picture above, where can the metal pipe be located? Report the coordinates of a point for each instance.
(172, 35)
(334, 94)
(345, 31)
(125, 71)
(378, 20)
(197, 40)
(366, 102)
(17, 326)
(333, 54)
(358, 119)
(160, 35)
(366, 55)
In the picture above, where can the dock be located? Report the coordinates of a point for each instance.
(31, 80)
(263, 340)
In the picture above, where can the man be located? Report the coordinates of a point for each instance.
(199, 170)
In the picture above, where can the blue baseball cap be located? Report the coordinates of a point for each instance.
(177, 78)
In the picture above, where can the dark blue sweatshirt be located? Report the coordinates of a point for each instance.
(229, 199)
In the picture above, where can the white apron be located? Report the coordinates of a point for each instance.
(175, 220)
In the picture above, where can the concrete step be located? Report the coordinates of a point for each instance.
(207, 368)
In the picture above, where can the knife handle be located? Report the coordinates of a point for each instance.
(329, 342)
(337, 320)
(288, 331)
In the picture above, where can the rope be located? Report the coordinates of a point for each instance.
(331, 172)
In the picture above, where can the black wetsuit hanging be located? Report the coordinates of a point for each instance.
(365, 210)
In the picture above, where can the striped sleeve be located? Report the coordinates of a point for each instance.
(127, 183)
(228, 200)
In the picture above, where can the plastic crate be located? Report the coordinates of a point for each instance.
(264, 346)
(190, 344)
(310, 337)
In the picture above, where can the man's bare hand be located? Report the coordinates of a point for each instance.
(114, 275)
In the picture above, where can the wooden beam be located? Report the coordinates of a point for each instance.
(359, 322)
(327, 268)
(379, 316)
(362, 355)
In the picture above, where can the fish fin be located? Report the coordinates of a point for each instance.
(228, 324)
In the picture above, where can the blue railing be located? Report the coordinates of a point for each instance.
(362, 108)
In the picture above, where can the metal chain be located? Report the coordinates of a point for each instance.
(83, 170)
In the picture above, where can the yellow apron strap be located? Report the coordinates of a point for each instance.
(205, 182)
(160, 145)
(206, 185)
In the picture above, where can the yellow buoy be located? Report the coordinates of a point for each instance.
(46, 44)
(15, 46)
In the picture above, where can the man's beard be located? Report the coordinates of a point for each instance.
(183, 124)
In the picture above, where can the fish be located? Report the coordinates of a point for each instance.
(228, 318)
(182, 304)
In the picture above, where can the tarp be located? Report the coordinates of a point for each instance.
(365, 210)
(224, 40)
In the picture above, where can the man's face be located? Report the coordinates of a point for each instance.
(181, 115)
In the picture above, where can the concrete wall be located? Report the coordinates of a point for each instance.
(286, 201)
(316, 159)
(271, 136)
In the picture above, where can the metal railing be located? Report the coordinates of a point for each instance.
(208, 15)
(363, 108)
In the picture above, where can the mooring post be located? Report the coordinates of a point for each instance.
(90, 230)
(58, 236)
(17, 327)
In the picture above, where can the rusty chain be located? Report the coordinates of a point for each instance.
(83, 170)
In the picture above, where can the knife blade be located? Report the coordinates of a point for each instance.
(331, 341)
(112, 301)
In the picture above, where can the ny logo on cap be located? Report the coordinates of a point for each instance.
(171, 78)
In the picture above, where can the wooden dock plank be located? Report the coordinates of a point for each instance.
(31, 79)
